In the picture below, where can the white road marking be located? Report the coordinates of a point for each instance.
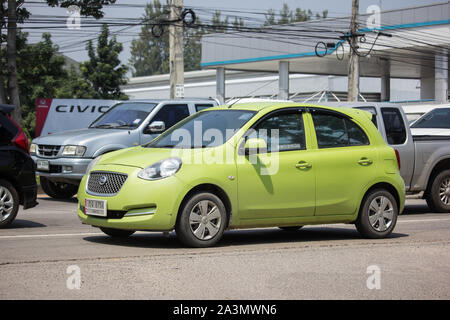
(52, 235)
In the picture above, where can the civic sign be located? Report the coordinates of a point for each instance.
(55, 115)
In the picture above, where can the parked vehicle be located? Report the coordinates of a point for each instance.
(62, 158)
(414, 112)
(425, 157)
(328, 165)
(17, 169)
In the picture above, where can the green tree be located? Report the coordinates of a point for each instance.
(40, 72)
(286, 15)
(104, 71)
(150, 54)
(75, 87)
(16, 14)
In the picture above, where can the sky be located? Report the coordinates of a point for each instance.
(72, 42)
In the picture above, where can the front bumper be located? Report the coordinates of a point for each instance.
(64, 168)
(139, 205)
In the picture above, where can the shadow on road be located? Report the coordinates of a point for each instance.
(19, 224)
(416, 208)
(240, 237)
(49, 199)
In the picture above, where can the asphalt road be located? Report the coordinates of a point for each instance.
(326, 262)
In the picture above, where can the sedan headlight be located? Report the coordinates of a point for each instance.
(33, 148)
(161, 169)
(92, 164)
(74, 151)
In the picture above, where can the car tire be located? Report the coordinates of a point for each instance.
(58, 190)
(9, 203)
(202, 221)
(377, 215)
(117, 233)
(290, 229)
(438, 197)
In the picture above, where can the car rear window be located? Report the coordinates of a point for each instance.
(8, 130)
(437, 118)
(394, 125)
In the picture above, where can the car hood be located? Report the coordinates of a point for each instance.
(430, 132)
(79, 136)
(142, 157)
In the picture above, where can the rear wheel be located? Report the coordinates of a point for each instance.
(202, 221)
(58, 190)
(438, 197)
(117, 233)
(377, 215)
(9, 203)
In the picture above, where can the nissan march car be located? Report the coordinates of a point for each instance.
(249, 165)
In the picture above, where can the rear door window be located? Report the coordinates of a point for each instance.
(394, 126)
(171, 114)
(334, 131)
(438, 118)
(203, 106)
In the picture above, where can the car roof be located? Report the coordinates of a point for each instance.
(259, 106)
(169, 100)
(6, 108)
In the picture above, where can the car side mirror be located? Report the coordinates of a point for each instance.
(255, 145)
(156, 127)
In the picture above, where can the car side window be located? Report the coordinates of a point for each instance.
(283, 132)
(200, 107)
(394, 125)
(334, 131)
(171, 114)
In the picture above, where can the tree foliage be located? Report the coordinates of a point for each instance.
(104, 71)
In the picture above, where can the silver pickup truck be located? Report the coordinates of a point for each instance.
(424, 158)
(62, 158)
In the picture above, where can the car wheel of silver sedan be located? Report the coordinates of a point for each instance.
(202, 220)
(378, 214)
(9, 203)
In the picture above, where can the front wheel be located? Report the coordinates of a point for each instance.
(377, 215)
(9, 203)
(58, 190)
(438, 198)
(202, 221)
(117, 233)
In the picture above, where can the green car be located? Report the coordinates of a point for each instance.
(250, 165)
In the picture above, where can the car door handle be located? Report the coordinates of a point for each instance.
(365, 162)
(303, 165)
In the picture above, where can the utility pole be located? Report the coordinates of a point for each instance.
(353, 67)
(176, 50)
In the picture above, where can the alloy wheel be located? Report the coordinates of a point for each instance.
(6, 203)
(205, 220)
(381, 213)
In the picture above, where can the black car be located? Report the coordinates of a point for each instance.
(17, 169)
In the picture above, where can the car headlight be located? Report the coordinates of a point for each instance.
(74, 151)
(92, 164)
(161, 169)
(33, 148)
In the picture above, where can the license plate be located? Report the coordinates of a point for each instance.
(42, 165)
(95, 207)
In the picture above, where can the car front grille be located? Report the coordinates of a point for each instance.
(47, 150)
(105, 183)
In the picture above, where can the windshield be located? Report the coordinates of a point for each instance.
(204, 129)
(127, 115)
(437, 118)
